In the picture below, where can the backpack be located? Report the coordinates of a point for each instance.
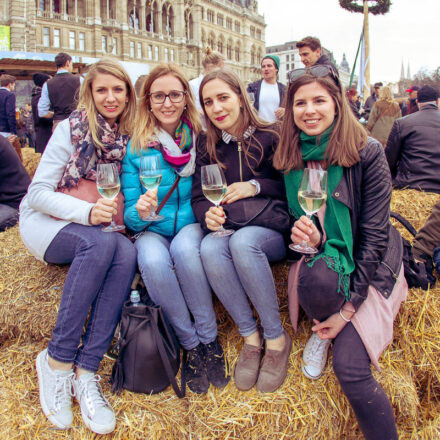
(416, 274)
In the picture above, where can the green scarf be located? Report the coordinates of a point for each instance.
(338, 249)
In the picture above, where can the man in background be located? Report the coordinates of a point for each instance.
(61, 92)
(310, 51)
(8, 123)
(413, 147)
(411, 106)
(268, 92)
(371, 100)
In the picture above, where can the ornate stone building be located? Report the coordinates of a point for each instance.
(145, 31)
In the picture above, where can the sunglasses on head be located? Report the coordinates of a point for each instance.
(317, 71)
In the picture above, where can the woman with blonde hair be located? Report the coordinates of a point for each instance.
(383, 114)
(166, 127)
(352, 287)
(59, 228)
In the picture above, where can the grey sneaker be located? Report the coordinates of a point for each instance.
(95, 408)
(56, 391)
(315, 356)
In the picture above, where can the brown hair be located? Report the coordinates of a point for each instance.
(311, 42)
(146, 122)
(106, 66)
(348, 136)
(248, 116)
(5, 80)
(212, 57)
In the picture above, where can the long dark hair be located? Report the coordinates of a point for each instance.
(248, 116)
(348, 136)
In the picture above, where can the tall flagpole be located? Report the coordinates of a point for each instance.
(367, 52)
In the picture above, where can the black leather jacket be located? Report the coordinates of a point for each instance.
(365, 188)
(413, 150)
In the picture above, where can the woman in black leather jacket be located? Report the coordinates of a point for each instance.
(352, 288)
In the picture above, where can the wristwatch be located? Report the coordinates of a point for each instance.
(257, 186)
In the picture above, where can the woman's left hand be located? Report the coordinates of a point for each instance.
(239, 190)
(331, 327)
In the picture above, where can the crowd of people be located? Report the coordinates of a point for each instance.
(262, 138)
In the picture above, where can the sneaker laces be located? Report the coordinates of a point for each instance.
(63, 391)
(316, 351)
(92, 391)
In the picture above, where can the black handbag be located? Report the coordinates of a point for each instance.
(416, 274)
(258, 211)
(149, 353)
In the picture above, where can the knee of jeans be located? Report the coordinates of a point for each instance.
(154, 263)
(101, 246)
(185, 248)
(127, 251)
(348, 368)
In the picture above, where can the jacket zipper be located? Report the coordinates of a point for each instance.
(239, 160)
(395, 276)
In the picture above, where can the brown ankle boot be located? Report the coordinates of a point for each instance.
(273, 369)
(247, 367)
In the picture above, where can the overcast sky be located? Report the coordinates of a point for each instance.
(410, 31)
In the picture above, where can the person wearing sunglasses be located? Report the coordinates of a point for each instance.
(166, 126)
(353, 287)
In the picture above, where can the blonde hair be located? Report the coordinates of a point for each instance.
(146, 122)
(86, 102)
(385, 94)
(212, 57)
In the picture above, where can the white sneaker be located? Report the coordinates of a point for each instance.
(95, 408)
(315, 356)
(56, 391)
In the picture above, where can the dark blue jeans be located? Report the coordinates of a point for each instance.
(102, 268)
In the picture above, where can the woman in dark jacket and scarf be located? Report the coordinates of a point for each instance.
(352, 288)
(237, 266)
(42, 126)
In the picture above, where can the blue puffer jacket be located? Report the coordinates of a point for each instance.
(179, 204)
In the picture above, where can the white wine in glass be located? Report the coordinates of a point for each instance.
(107, 182)
(312, 194)
(214, 189)
(150, 175)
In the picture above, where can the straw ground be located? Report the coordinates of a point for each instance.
(301, 409)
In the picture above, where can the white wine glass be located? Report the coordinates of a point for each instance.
(312, 194)
(251, 96)
(107, 182)
(150, 175)
(214, 188)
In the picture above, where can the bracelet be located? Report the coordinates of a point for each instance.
(343, 317)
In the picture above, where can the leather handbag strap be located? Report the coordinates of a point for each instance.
(180, 392)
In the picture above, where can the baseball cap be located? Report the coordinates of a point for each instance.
(412, 89)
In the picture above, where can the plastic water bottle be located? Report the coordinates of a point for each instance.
(135, 298)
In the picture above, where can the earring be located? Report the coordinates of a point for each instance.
(184, 108)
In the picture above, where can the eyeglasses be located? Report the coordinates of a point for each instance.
(175, 96)
(318, 71)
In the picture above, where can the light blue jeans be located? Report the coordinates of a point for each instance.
(238, 268)
(175, 279)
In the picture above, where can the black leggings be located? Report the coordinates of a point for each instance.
(318, 297)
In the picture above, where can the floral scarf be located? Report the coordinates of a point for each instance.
(83, 162)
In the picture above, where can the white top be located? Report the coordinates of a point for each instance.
(195, 86)
(269, 101)
(37, 227)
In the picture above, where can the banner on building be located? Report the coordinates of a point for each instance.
(5, 38)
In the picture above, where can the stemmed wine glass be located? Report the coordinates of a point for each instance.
(214, 188)
(312, 194)
(150, 175)
(251, 96)
(107, 182)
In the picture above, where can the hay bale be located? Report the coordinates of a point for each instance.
(30, 160)
(300, 409)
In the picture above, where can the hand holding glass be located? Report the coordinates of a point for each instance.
(107, 182)
(150, 175)
(312, 194)
(214, 189)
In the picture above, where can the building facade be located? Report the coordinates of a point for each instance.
(144, 31)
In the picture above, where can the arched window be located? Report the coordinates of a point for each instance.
(229, 50)
(237, 52)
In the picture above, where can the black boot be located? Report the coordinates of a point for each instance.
(194, 370)
(216, 364)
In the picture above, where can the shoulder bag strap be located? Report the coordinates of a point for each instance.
(180, 392)
(410, 228)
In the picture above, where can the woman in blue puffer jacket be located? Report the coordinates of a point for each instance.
(166, 125)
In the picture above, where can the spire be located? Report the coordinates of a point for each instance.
(402, 72)
(344, 64)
